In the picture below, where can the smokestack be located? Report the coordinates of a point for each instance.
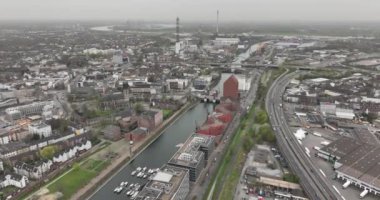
(177, 28)
(217, 22)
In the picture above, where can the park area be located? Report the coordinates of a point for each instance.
(79, 176)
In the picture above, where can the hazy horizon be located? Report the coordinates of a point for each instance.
(196, 10)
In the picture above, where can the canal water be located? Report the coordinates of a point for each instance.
(158, 153)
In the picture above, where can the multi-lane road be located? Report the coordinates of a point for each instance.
(313, 183)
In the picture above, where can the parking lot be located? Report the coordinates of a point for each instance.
(249, 188)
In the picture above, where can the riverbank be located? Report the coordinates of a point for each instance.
(252, 130)
(118, 164)
(40, 188)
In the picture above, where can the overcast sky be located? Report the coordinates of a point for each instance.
(191, 10)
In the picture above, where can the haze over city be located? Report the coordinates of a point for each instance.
(189, 99)
(191, 10)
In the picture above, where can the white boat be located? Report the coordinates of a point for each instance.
(118, 190)
(140, 174)
(145, 176)
(150, 171)
(133, 173)
(135, 194)
(138, 169)
(131, 186)
(126, 184)
(129, 192)
(179, 145)
(158, 169)
(144, 169)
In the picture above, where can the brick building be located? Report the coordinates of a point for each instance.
(231, 88)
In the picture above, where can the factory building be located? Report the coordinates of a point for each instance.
(231, 88)
(243, 79)
(355, 162)
(226, 41)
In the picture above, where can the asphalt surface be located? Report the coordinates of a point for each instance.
(313, 183)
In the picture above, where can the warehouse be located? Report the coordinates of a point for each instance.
(355, 162)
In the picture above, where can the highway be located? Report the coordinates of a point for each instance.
(313, 183)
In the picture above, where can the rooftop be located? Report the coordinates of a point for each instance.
(342, 146)
(189, 154)
(359, 160)
(164, 184)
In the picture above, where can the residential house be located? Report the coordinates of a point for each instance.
(13, 180)
(34, 171)
(41, 129)
(72, 152)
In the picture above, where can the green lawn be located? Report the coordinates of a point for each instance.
(101, 166)
(72, 181)
(167, 113)
(78, 177)
(91, 164)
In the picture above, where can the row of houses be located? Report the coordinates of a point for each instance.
(11, 150)
(38, 169)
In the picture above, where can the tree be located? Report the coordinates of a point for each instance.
(371, 117)
(247, 143)
(139, 108)
(35, 137)
(59, 124)
(48, 152)
(267, 134)
(261, 117)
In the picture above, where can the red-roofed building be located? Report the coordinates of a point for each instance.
(231, 88)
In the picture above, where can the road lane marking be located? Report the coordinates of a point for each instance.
(322, 173)
(336, 190)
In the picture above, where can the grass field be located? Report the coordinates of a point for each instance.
(79, 176)
(72, 181)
